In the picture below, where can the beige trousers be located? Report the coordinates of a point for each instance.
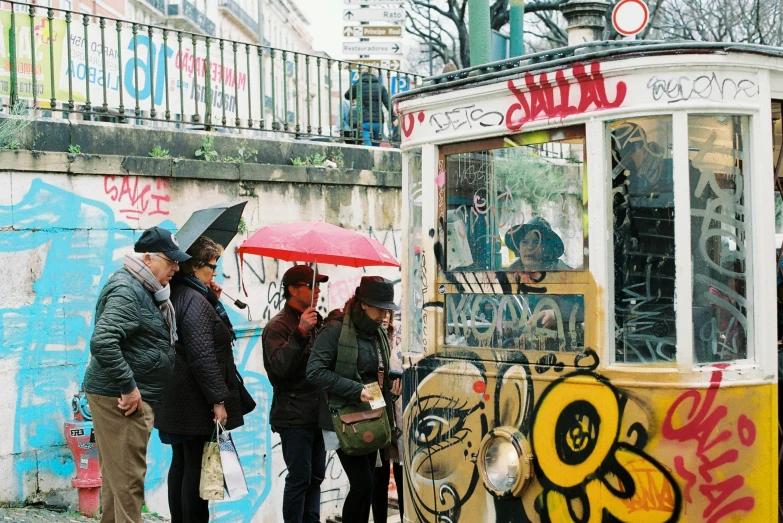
(122, 453)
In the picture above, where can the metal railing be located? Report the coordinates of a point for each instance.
(108, 69)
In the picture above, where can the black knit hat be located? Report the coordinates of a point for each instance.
(378, 292)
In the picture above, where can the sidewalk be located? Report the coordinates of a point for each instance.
(43, 515)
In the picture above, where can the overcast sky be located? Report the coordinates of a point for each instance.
(326, 24)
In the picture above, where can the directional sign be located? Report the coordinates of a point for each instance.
(372, 2)
(374, 15)
(372, 48)
(372, 31)
(394, 65)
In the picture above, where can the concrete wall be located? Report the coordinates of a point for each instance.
(65, 222)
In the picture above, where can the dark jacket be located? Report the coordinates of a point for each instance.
(204, 371)
(286, 350)
(130, 345)
(320, 369)
(374, 98)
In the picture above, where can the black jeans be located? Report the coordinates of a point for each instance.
(380, 493)
(305, 458)
(185, 504)
(361, 477)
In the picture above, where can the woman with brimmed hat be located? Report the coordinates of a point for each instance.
(537, 246)
(366, 309)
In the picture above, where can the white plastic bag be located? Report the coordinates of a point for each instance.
(233, 475)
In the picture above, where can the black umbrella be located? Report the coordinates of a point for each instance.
(219, 223)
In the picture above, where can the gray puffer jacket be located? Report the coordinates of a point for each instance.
(130, 345)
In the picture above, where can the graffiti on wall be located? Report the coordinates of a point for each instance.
(576, 90)
(588, 437)
(138, 196)
(76, 242)
(696, 420)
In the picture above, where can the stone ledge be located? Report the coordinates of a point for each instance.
(22, 160)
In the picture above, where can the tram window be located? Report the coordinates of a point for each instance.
(516, 321)
(517, 207)
(643, 208)
(718, 147)
(415, 298)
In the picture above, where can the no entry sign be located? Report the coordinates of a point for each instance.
(630, 17)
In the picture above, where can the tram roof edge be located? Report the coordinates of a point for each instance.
(564, 56)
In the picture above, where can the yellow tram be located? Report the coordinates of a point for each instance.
(589, 300)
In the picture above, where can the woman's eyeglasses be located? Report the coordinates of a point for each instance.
(212, 266)
(310, 285)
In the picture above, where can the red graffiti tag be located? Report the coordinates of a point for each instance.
(138, 195)
(701, 418)
(539, 101)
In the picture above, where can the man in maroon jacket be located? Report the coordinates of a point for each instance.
(287, 340)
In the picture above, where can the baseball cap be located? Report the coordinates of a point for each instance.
(301, 274)
(158, 239)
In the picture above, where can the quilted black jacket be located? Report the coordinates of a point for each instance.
(204, 370)
(130, 345)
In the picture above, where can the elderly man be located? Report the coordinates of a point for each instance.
(132, 357)
(288, 339)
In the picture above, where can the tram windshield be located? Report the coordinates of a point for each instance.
(516, 205)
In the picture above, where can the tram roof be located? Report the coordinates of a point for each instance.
(564, 56)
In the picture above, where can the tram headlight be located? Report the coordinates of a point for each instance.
(505, 462)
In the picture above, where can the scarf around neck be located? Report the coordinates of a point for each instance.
(196, 284)
(136, 267)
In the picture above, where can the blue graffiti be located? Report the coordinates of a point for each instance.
(78, 243)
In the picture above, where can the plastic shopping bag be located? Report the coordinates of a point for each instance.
(211, 484)
(233, 474)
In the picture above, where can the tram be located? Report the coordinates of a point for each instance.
(589, 300)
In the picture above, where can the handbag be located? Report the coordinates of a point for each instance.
(245, 399)
(360, 429)
(210, 485)
(233, 473)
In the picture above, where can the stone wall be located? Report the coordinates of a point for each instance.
(65, 222)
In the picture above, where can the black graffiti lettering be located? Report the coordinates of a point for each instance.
(469, 115)
(706, 87)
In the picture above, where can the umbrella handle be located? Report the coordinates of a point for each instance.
(239, 304)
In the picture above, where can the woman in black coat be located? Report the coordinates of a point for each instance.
(203, 388)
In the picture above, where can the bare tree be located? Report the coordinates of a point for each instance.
(443, 25)
(748, 21)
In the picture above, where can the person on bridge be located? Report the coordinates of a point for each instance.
(373, 99)
(131, 363)
(287, 340)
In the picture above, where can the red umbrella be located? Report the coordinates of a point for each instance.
(317, 242)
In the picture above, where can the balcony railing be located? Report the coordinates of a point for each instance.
(188, 12)
(158, 5)
(240, 15)
(107, 69)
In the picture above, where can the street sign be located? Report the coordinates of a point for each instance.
(373, 2)
(394, 65)
(372, 48)
(374, 15)
(372, 31)
(629, 17)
